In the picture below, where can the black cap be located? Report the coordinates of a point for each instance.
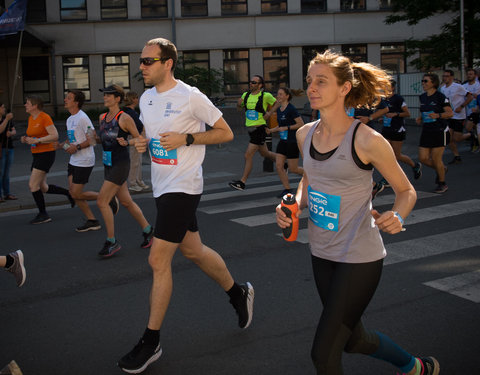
(109, 90)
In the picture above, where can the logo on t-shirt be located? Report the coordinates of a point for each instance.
(169, 111)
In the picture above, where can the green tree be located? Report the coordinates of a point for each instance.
(208, 81)
(441, 49)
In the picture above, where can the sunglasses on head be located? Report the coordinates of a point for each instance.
(151, 60)
(425, 81)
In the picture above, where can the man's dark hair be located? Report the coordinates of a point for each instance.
(78, 96)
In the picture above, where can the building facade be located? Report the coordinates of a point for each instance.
(88, 44)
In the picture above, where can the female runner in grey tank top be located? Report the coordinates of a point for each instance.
(339, 155)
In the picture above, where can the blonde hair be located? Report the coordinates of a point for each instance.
(369, 83)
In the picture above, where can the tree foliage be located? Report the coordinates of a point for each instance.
(441, 49)
(208, 81)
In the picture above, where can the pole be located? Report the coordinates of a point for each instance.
(462, 41)
(174, 26)
(15, 77)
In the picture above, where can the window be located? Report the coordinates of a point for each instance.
(314, 6)
(274, 6)
(385, 4)
(237, 7)
(2, 6)
(194, 8)
(116, 71)
(76, 74)
(235, 71)
(392, 58)
(36, 76)
(190, 59)
(113, 9)
(73, 10)
(308, 53)
(355, 52)
(154, 8)
(36, 11)
(275, 66)
(349, 5)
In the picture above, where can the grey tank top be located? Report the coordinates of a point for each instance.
(340, 226)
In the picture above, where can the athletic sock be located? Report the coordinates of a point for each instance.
(147, 229)
(112, 240)
(54, 189)
(151, 336)
(9, 262)
(391, 352)
(39, 201)
(235, 291)
(418, 367)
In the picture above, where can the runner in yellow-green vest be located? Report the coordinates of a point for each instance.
(255, 103)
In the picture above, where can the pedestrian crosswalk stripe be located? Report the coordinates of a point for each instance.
(465, 285)
(384, 199)
(247, 192)
(418, 248)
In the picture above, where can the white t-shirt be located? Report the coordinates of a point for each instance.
(77, 126)
(456, 94)
(182, 109)
(474, 89)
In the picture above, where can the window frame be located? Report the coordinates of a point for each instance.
(142, 7)
(236, 59)
(344, 46)
(234, 2)
(103, 7)
(265, 2)
(73, 8)
(87, 65)
(127, 64)
(194, 3)
(344, 9)
(404, 58)
(41, 7)
(37, 92)
(271, 85)
(304, 11)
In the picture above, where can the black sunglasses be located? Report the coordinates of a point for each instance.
(425, 81)
(147, 61)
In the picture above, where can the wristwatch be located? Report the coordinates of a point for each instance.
(79, 147)
(190, 139)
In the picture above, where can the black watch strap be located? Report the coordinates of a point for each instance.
(190, 139)
(79, 147)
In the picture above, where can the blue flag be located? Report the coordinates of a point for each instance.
(13, 19)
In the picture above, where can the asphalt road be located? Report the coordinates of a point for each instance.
(77, 314)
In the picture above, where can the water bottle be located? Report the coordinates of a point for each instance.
(91, 136)
(290, 207)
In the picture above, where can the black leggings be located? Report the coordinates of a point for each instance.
(345, 290)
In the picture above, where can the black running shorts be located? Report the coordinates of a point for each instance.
(43, 161)
(393, 135)
(432, 139)
(456, 125)
(257, 135)
(80, 175)
(176, 215)
(288, 149)
(118, 172)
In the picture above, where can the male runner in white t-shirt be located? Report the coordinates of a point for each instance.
(82, 159)
(473, 87)
(174, 115)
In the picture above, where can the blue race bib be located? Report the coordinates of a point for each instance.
(426, 118)
(107, 158)
(160, 155)
(324, 209)
(71, 136)
(283, 135)
(472, 104)
(251, 114)
(387, 121)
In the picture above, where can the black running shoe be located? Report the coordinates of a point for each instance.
(40, 219)
(114, 205)
(441, 188)
(417, 170)
(244, 305)
(109, 249)
(437, 179)
(147, 239)
(430, 366)
(141, 356)
(455, 160)
(89, 225)
(239, 185)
